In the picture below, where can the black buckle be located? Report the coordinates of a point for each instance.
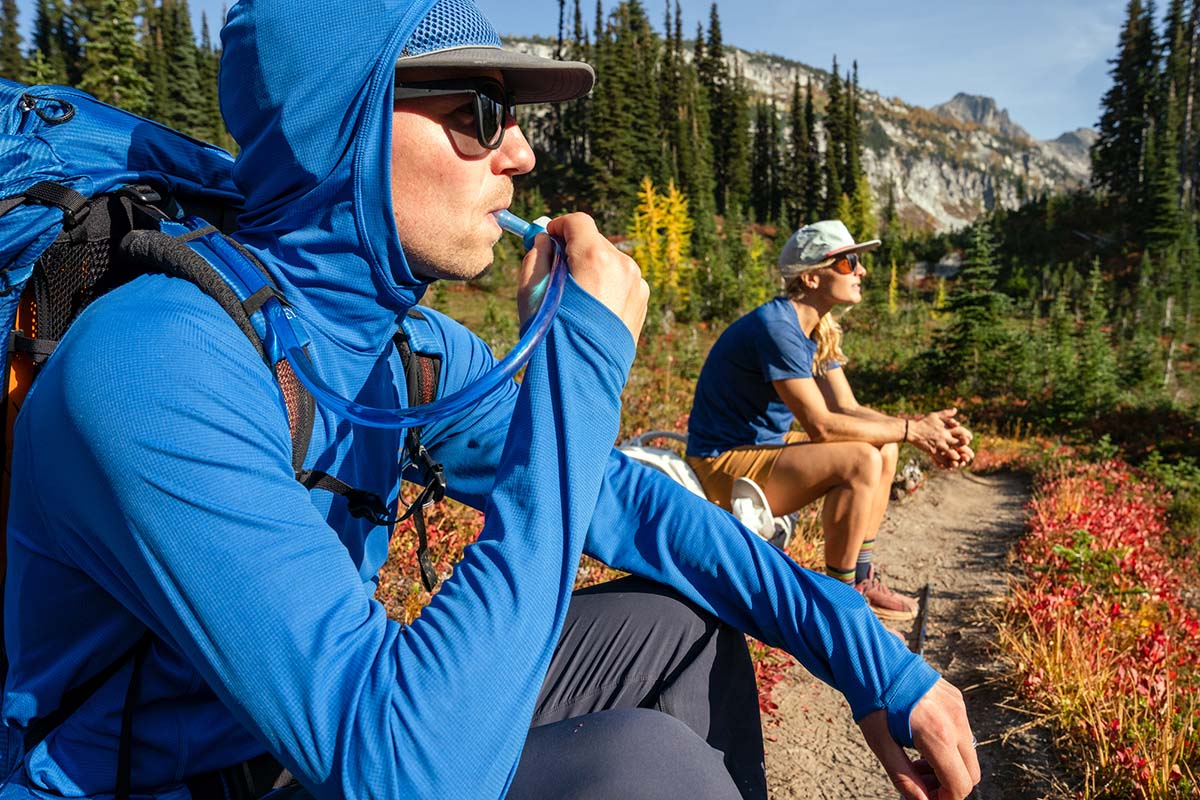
(368, 506)
(141, 194)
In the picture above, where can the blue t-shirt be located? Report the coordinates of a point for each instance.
(736, 403)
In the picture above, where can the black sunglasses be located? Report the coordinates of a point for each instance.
(493, 105)
(845, 265)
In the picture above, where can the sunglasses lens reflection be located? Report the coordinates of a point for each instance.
(846, 264)
(492, 112)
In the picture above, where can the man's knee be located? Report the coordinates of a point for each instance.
(632, 753)
(640, 608)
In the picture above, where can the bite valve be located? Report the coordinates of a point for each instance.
(513, 224)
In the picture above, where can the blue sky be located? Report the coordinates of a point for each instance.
(1043, 60)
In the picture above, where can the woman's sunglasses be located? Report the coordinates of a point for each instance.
(846, 265)
(493, 105)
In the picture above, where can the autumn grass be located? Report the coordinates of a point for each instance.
(1100, 640)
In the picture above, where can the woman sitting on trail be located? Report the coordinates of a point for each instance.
(782, 362)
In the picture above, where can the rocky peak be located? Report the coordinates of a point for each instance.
(982, 111)
(945, 166)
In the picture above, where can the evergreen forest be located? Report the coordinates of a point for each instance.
(1073, 311)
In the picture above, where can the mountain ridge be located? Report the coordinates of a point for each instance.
(945, 165)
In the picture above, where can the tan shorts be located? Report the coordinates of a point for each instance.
(755, 462)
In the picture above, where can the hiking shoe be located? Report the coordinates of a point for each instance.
(887, 604)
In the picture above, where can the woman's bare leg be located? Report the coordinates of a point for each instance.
(847, 475)
(889, 454)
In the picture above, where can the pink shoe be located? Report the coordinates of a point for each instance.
(888, 605)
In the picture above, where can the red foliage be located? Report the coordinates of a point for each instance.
(1096, 570)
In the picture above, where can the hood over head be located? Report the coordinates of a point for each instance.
(306, 90)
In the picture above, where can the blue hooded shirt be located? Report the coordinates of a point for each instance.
(153, 491)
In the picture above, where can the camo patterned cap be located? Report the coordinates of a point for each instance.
(816, 243)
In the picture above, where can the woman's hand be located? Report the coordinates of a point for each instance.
(940, 435)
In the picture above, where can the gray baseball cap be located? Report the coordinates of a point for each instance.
(455, 37)
(818, 242)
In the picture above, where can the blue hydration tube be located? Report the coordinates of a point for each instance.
(281, 322)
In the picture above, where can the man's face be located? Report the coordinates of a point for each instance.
(445, 186)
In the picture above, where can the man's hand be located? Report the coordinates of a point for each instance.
(949, 768)
(597, 266)
(941, 436)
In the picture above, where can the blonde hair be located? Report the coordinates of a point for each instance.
(828, 333)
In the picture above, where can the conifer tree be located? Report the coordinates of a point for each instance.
(812, 163)
(37, 70)
(111, 69)
(862, 222)
(565, 175)
(608, 159)
(623, 148)
(729, 123)
(154, 58)
(795, 192)
(73, 18)
(835, 139)
(186, 103)
(733, 117)
(1190, 141)
(12, 65)
(1140, 356)
(1164, 218)
(207, 65)
(892, 232)
(1096, 375)
(832, 180)
(1119, 153)
(972, 346)
(893, 305)
(48, 43)
(716, 292)
(695, 164)
(645, 233)
(1179, 41)
(762, 164)
(851, 163)
(750, 270)
(778, 167)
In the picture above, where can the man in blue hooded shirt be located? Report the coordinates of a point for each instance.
(160, 505)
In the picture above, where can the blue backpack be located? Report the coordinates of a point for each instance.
(92, 197)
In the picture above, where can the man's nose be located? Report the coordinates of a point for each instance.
(515, 156)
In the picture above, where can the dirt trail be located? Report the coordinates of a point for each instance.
(954, 534)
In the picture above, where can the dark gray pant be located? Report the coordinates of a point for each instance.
(647, 697)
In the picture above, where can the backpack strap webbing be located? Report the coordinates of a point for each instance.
(421, 373)
(75, 697)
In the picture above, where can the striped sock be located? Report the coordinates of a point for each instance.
(846, 576)
(862, 569)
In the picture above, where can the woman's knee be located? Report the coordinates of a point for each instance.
(866, 463)
(890, 454)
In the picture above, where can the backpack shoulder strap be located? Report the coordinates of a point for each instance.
(160, 252)
(421, 374)
(422, 371)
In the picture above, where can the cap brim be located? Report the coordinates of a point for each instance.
(859, 247)
(530, 79)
